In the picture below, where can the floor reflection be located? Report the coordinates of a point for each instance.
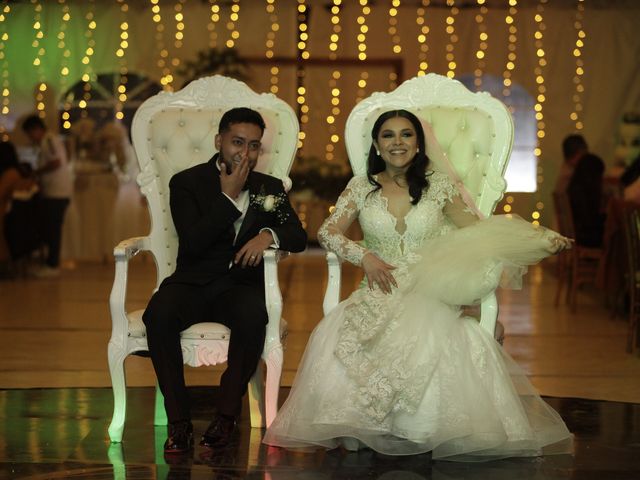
(61, 433)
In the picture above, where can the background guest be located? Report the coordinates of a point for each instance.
(584, 186)
(12, 180)
(56, 185)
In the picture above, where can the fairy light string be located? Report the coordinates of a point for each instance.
(6, 85)
(303, 54)
(234, 16)
(336, 74)
(362, 47)
(540, 100)
(121, 53)
(453, 38)
(64, 64)
(483, 37)
(88, 74)
(165, 72)
(510, 64)
(41, 86)
(421, 20)
(393, 26)
(178, 39)
(270, 44)
(576, 114)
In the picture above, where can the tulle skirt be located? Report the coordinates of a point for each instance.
(406, 373)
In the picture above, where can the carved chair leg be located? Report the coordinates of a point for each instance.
(160, 414)
(114, 453)
(256, 398)
(272, 385)
(119, 387)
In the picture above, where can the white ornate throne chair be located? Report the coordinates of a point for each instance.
(171, 132)
(475, 130)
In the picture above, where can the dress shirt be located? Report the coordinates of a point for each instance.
(242, 204)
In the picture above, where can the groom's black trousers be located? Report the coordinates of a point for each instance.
(177, 306)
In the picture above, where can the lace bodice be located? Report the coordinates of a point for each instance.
(439, 209)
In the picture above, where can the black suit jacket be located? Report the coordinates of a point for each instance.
(204, 217)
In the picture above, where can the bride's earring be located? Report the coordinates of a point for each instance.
(417, 149)
(378, 152)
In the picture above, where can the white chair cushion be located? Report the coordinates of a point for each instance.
(199, 331)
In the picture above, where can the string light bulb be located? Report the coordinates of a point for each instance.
(37, 61)
(214, 18)
(334, 138)
(362, 47)
(576, 115)
(178, 35)
(270, 43)
(121, 53)
(64, 64)
(336, 29)
(393, 30)
(234, 16)
(540, 99)
(165, 78)
(423, 65)
(362, 36)
(510, 64)
(453, 38)
(88, 74)
(483, 37)
(303, 54)
(6, 90)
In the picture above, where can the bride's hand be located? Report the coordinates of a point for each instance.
(378, 271)
(558, 243)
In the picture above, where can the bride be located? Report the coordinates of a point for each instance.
(397, 367)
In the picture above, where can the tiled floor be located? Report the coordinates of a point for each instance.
(53, 350)
(55, 332)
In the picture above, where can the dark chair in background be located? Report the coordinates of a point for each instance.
(579, 265)
(632, 241)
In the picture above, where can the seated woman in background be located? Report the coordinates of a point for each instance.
(397, 367)
(12, 180)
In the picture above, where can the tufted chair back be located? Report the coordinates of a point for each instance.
(474, 130)
(174, 131)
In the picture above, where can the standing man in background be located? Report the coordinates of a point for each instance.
(56, 186)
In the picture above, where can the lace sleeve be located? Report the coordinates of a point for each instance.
(453, 205)
(331, 233)
(458, 212)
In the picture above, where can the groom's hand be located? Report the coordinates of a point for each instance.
(251, 252)
(231, 183)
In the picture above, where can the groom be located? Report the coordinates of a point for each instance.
(225, 215)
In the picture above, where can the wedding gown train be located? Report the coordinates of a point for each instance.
(407, 373)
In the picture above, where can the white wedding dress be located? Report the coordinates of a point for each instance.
(406, 373)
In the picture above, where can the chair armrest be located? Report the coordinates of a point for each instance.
(332, 293)
(273, 297)
(130, 247)
(489, 313)
(123, 252)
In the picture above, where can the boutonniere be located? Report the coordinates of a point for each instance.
(270, 203)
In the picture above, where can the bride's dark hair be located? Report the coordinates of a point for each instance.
(416, 173)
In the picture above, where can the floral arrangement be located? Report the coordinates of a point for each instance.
(323, 178)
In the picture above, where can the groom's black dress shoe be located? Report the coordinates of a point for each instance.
(219, 433)
(180, 437)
